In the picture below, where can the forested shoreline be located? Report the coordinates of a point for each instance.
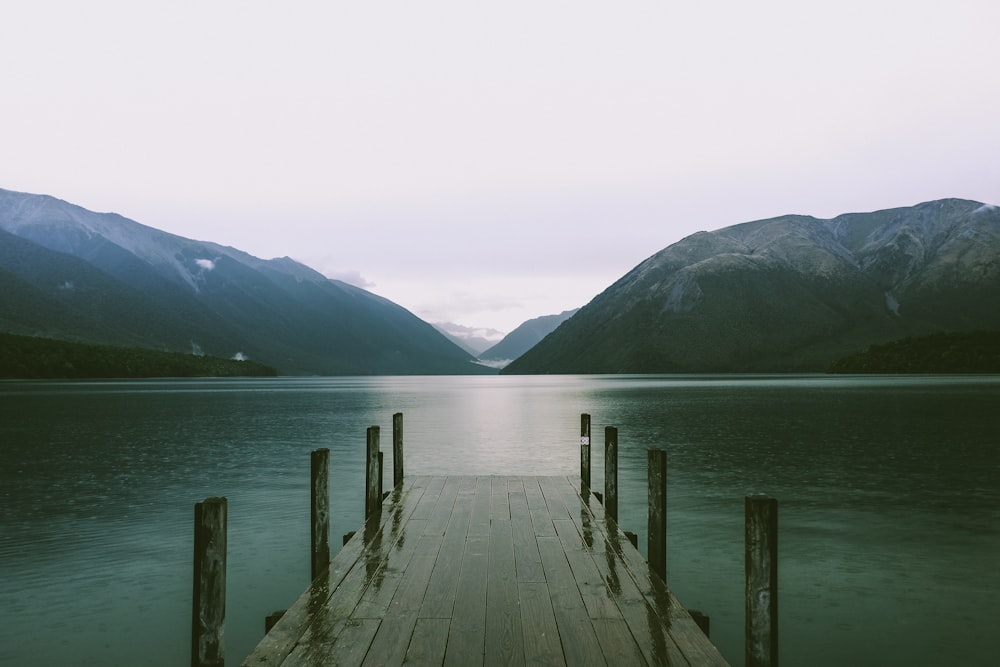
(28, 357)
(967, 352)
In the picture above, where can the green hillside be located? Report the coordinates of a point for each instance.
(973, 352)
(34, 358)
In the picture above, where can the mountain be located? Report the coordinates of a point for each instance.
(523, 338)
(792, 293)
(471, 339)
(66, 272)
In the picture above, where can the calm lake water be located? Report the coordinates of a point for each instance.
(888, 490)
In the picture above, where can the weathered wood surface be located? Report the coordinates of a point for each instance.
(485, 570)
(208, 647)
(319, 510)
(761, 581)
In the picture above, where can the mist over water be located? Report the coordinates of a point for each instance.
(888, 490)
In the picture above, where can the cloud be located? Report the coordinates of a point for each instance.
(351, 277)
(206, 264)
(239, 356)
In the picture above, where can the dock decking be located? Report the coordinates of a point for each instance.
(487, 570)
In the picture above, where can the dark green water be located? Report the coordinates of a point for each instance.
(889, 492)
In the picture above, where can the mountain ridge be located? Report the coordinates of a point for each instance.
(790, 293)
(102, 278)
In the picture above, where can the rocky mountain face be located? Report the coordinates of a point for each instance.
(66, 272)
(792, 293)
(523, 338)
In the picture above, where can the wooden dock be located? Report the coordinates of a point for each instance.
(487, 570)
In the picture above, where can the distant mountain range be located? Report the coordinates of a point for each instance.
(523, 338)
(471, 339)
(793, 293)
(69, 273)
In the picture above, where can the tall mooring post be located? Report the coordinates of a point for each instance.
(320, 510)
(611, 472)
(373, 471)
(585, 450)
(657, 524)
(761, 581)
(397, 449)
(208, 613)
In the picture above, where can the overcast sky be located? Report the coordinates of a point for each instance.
(486, 163)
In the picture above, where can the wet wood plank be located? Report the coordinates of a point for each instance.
(487, 570)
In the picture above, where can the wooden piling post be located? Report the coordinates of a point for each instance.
(657, 525)
(381, 478)
(585, 450)
(761, 581)
(320, 510)
(611, 472)
(208, 612)
(373, 497)
(397, 449)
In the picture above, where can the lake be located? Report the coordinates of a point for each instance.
(888, 491)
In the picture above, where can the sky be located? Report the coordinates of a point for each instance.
(487, 163)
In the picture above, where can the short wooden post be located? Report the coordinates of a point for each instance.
(611, 472)
(761, 581)
(381, 477)
(585, 450)
(373, 499)
(320, 510)
(397, 449)
(208, 613)
(657, 526)
(272, 619)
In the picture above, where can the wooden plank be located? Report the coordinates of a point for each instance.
(693, 645)
(425, 509)
(479, 524)
(441, 514)
(288, 631)
(538, 624)
(541, 519)
(467, 633)
(351, 642)
(393, 637)
(499, 503)
(651, 635)
(571, 506)
(616, 640)
(593, 589)
(375, 600)
(504, 639)
(528, 563)
(453, 589)
(576, 632)
(429, 641)
(439, 600)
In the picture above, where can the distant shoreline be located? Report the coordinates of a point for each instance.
(33, 358)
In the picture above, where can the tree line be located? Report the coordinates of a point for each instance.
(29, 357)
(944, 352)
